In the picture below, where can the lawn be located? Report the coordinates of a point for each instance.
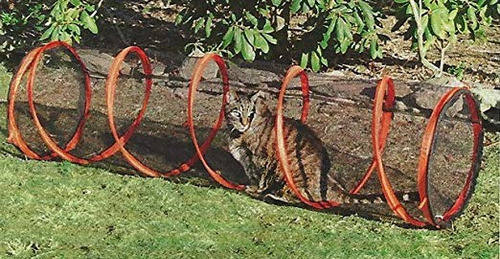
(58, 209)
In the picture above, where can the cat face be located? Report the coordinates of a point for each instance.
(242, 110)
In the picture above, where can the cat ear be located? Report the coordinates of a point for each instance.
(232, 96)
(258, 95)
(259, 101)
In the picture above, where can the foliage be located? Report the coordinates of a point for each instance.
(66, 18)
(308, 30)
(311, 32)
(23, 22)
(19, 23)
(437, 23)
(457, 71)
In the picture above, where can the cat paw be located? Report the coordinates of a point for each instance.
(252, 191)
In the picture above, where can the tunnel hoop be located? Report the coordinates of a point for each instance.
(193, 86)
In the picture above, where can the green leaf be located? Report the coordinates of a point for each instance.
(55, 34)
(208, 26)
(90, 7)
(328, 33)
(261, 43)
(427, 33)
(280, 23)
(315, 62)
(401, 1)
(295, 6)
(198, 24)
(347, 31)
(339, 29)
(74, 28)
(270, 38)
(304, 59)
(251, 18)
(359, 22)
(247, 51)
(88, 22)
(437, 24)
(267, 27)
(48, 32)
(367, 13)
(408, 10)
(305, 8)
(238, 40)
(321, 4)
(462, 24)
(324, 61)
(373, 49)
(276, 2)
(471, 15)
(249, 34)
(228, 37)
(179, 18)
(425, 21)
(72, 13)
(324, 43)
(56, 10)
(428, 4)
(453, 14)
(331, 26)
(75, 2)
(65, 37)
(344, 45)
(77, 39)
(428, 43)
(63, 4)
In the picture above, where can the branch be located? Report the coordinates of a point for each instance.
(97, 8)
(443, 50)
(417, 14)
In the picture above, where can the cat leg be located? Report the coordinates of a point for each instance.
(254, 192)
(241, 155)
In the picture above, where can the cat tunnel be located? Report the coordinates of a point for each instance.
(383, 111)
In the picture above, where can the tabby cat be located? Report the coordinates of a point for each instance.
(252, 142)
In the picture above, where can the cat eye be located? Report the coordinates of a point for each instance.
(251, 114)
(235, 113)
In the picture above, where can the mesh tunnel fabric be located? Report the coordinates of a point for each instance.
(382, 115)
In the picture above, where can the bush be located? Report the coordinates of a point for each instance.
(22, 23)
(305, 30)
(437, 23)
(311, 32)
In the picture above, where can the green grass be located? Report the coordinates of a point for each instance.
(50, 209)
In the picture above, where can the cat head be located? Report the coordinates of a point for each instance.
(242, 110)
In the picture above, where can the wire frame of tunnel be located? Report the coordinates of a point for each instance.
(441, 199)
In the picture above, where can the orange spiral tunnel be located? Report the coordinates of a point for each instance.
(382, 114)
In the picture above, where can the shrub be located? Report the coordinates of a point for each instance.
(305, 30)
(437, 23)
(24, 22)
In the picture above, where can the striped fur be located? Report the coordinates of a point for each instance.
(252, 143)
